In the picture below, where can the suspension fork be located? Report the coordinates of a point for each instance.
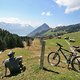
(56, 53)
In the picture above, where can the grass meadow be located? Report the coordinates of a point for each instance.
(31, 59)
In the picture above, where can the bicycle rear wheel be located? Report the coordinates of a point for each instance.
(53, 58)
(76, 63)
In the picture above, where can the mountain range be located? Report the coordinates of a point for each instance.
(43, 30)
(38, 31)
(21, 30)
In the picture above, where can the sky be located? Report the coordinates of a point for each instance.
(37, 12)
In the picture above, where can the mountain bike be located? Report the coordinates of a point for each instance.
(73, 59)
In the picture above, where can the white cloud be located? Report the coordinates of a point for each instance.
(12, 20)
(60, 25)
(43, 13)
(71, 5)
(46, 13)
(20, 21)
(9, 20)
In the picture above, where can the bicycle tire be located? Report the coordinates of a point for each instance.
(76, 64)
(53, 58)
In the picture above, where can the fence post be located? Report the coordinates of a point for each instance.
(42, 54)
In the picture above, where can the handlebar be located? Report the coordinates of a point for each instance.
(59, 44)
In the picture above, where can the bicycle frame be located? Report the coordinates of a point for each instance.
(61, 50)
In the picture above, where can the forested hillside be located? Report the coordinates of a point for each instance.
(8, 40)
(60, 30)
(69, 28)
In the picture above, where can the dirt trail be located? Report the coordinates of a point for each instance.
(36, 48)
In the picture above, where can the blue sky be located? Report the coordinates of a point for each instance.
(37, 12)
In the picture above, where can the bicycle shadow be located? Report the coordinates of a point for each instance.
(45, 69)
(69, 68)
(61, 66)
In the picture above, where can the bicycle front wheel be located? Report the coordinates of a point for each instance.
(53, 58)
(76, 63)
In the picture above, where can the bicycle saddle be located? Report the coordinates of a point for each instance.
(59, 44)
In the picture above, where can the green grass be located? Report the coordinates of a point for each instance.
(75, 36)
(49, 32)
(31, 59)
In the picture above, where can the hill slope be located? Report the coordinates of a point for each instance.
(63, 29)
(31, 59)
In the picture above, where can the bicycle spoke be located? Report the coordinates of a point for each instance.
(53, 59)
(76, 63)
